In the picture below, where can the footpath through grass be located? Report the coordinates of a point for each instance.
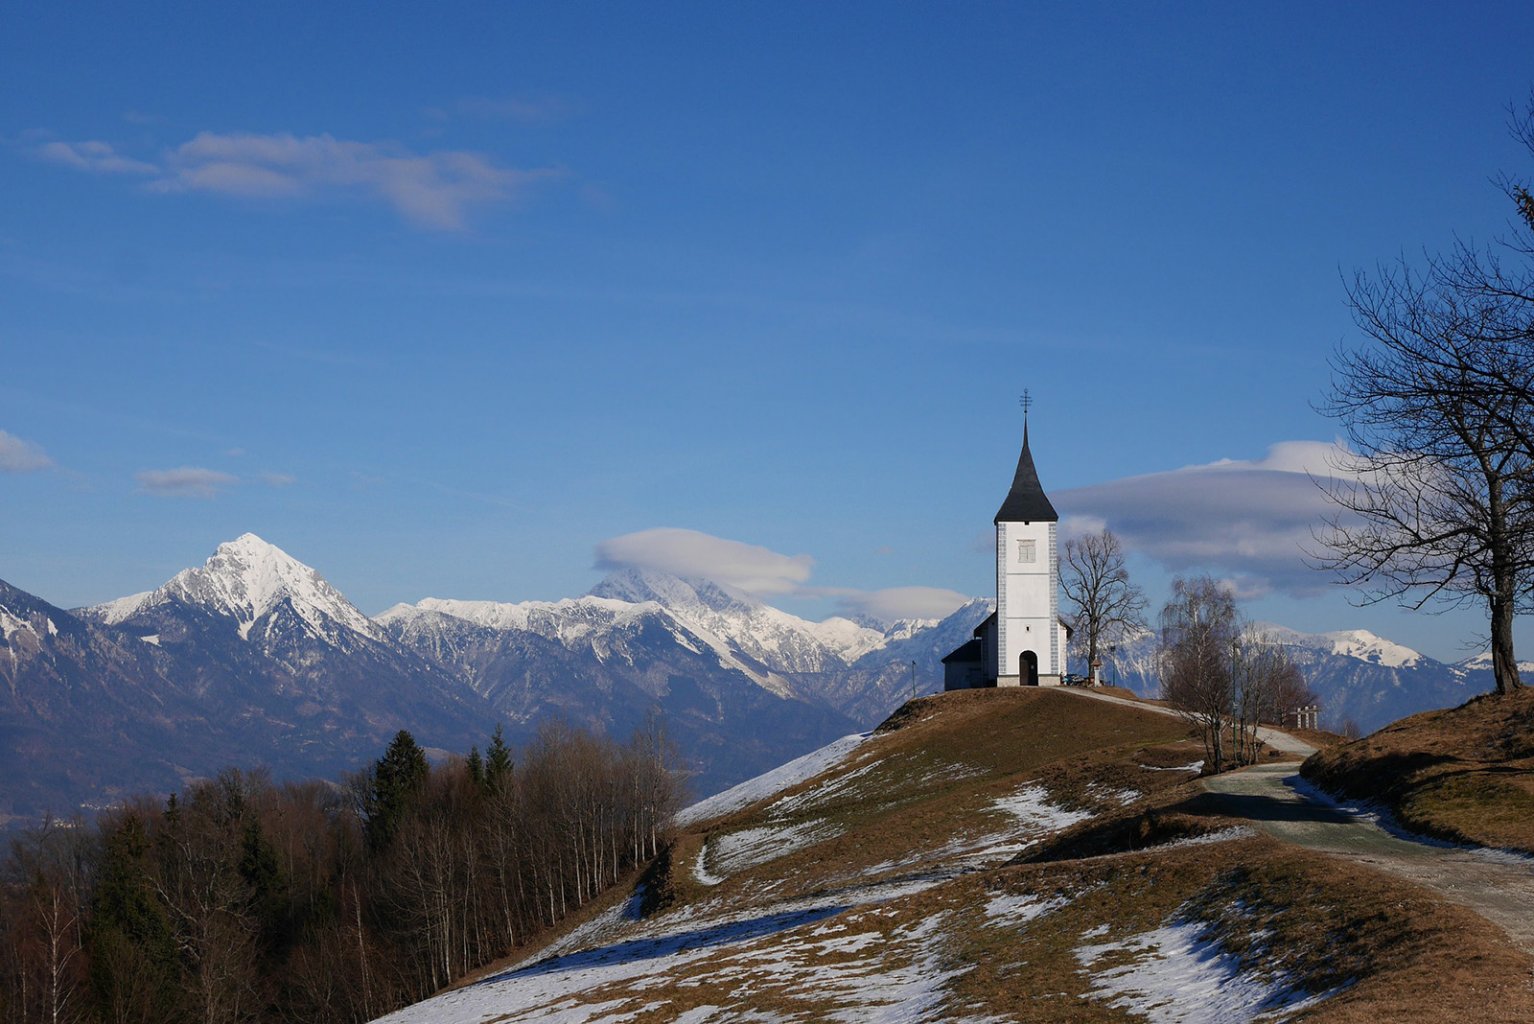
(1465, 774)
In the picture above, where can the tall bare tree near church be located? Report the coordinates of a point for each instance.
(1437, 505)
(1109, 607)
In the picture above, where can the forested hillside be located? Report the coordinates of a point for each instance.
(242, 900)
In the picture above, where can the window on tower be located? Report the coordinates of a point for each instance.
(1025, 552)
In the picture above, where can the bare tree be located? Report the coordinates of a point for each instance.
(1200, 630)
(1110, 608)
(1266, 685)
(1438, 504)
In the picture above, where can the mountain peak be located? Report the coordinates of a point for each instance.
(676, 593)
(249, 545)
(1351, 643)
(247, 579)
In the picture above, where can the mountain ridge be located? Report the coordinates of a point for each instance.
(253, 655)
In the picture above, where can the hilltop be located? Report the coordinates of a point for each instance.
(999, 855)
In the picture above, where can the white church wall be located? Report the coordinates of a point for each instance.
(1027, 586)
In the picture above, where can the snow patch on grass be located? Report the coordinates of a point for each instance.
(1107, 794)
(1018, 909)
(740, 851)
(1180, 974)
(819, 795)
(700, 869)
(1032, 809)
(765, 785)
(1196, 767)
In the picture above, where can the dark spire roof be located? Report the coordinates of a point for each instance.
(1026, 501)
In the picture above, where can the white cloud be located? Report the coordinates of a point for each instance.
(279, 479)
(94, 156)
(763, 572)
(895, 603)
(18, 456)
(184, 482)
(1250, 520)
(747, 567)
(434, 190)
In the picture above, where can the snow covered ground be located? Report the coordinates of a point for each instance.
(769, 783)
(1180, 974)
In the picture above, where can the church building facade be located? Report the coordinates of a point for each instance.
(1024, 642)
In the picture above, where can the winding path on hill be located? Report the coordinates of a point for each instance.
(1497, 885)
(1273, 797)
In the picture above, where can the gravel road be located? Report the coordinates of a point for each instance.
(1498, 886)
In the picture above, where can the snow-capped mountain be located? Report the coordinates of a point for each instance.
(782, 653)
(85, 709)
(743, 685)
(1482, 663)
(1347, 643)
(260, 588)
(772, 638)
(254, 658)
(1355, 674)
(258, 650)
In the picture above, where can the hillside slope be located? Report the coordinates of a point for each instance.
(1465, 774)
(1024, 855)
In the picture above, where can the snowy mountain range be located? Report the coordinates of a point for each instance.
(1356, 675)
(253, 658)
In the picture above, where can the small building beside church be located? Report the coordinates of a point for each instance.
(1024, 641)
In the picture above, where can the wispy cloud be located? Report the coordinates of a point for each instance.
(747, 567)
(20, 456)
(1249, 520)
(434, 190)
(94, 156)
(184, 482)
(278, 479)
(762, 572)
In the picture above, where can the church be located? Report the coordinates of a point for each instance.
(1024, 641)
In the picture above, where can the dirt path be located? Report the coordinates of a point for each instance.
(1499, 887)
(1272, 737)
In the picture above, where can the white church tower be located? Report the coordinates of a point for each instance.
(1030, 641)
(1024, 642)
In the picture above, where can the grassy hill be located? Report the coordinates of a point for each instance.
(1029, 855)
(1465, 774)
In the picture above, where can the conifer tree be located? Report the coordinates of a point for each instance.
(394, 782)
(476, 766)
(498, 764)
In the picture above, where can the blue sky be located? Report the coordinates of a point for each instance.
(465, 300)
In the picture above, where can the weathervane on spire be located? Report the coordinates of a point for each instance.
(1026, 401)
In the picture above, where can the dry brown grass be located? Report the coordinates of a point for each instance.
(1386, 949)
(1465, 774)
(1391, 950)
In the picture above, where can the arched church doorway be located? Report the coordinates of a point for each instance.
(1028, 669)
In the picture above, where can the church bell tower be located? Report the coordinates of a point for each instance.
(1029, 646)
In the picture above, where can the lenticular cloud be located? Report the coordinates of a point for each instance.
(691, 553)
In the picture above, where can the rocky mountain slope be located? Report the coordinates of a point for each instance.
(1030, 855)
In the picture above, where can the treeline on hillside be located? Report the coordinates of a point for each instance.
(249, 901)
